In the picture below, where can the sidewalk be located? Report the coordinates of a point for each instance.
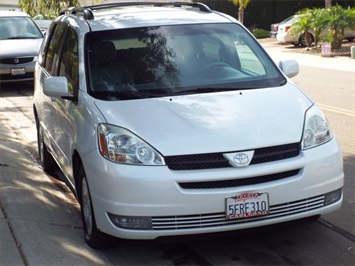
(9, 252)
(39, 223)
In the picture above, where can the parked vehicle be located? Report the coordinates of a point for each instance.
(42, 23)
(10, 7)
(171, 119)
(20, 41)
(285, 35)
(273, 30)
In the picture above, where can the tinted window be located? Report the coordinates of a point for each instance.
(69, 64)
(51, 57)
(146, 62)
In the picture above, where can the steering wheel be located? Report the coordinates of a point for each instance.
(210, 67)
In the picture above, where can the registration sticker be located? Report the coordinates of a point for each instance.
(18, 71)
(247, 205)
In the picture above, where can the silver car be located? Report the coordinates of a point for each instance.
(171, 119)
(20, 41)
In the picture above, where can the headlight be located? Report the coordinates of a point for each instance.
(121, 146)
(316, 129)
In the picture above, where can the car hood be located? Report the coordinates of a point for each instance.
(19, 48)
(213, 122)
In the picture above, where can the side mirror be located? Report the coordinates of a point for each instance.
(56, 87)
(289, 67)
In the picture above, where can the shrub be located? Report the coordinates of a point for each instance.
(260, 33)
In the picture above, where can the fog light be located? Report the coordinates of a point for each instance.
(129, 222)
(333, 196)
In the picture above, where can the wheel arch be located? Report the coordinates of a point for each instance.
(302, 39)
(35, 115)
(77, 163)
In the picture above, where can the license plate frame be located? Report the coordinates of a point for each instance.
(247, 205)
(18, 71)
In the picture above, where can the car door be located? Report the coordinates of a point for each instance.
(66, 112)
(60, 59)
(47, 67)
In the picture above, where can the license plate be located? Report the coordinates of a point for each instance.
(247, 205)
(18, 71)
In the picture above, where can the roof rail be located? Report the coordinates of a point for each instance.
(87, 13)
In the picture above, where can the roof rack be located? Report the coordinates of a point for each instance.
(87, 13)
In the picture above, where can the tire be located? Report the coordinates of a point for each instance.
(46, 160)
(93, 237)
(302, 40)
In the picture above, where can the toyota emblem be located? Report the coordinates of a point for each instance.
(241, 159)
(16, 61)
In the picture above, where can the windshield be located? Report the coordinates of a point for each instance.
(172, 60)
(18, 28)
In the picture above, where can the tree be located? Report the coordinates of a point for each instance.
(338, 19)
(242, 6)
(303, 26)
(318, 23)
(48, 8)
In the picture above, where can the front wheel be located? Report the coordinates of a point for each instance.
(93, 237)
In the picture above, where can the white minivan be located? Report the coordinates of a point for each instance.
(171, 119)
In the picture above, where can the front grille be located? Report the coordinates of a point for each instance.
(21, 60)
(238, 182)
(217, 160)
(219, 219)
(17, 77)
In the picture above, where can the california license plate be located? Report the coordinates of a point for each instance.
(247, 205)
(18, 71)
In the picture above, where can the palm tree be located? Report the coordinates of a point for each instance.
(339, 19)
(303, 26)
(318, 23)
(242, 6)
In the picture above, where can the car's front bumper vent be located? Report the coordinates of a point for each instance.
(217, 160)
(219, 219)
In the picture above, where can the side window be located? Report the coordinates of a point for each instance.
(45, 44)
(69, 62)
(53, 49)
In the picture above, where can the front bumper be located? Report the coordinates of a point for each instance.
(154, 192)
(6, 76)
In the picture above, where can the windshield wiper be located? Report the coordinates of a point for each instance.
(208, 90)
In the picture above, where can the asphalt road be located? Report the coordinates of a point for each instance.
(44, 221)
